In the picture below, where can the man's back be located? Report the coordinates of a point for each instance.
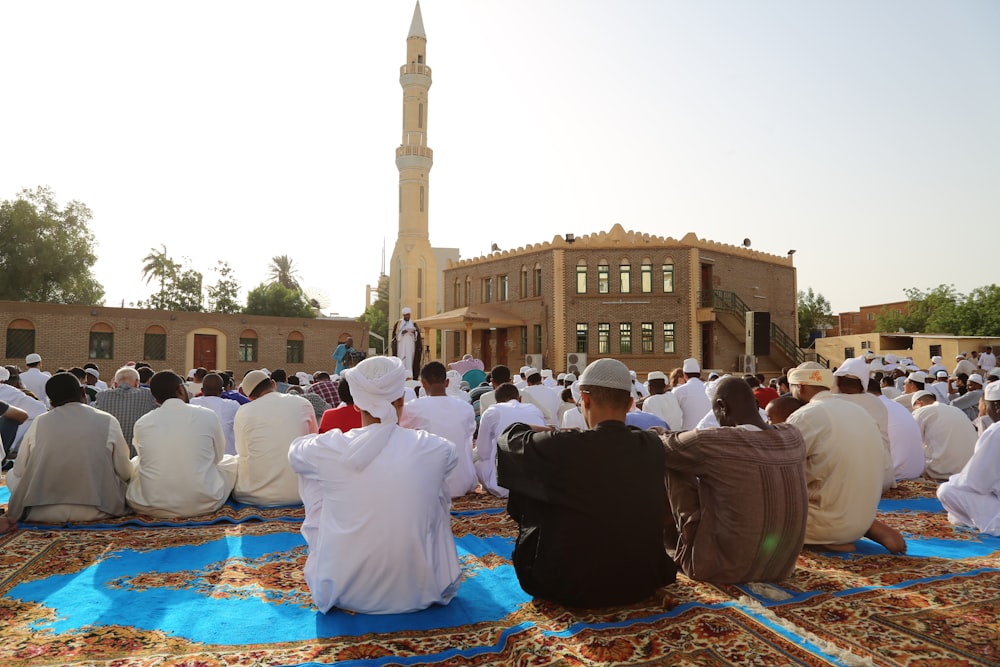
(694, 403)
(264, 428)
(493, 422)
(177, 471)
(949, 439)
(544, 399)
(666, 407)
(454, 420)
(590, 506)
(904, 441)
(377, 520)
(127, 404)
(843, 468)
(225, 410)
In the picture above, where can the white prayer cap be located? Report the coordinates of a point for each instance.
(252, 379)
(4, 374)
(919, 395)
(917, 376)
(632, 374)
(936, 359)
(93, 371)
(454, 378)
(869, 354)
(891, 358)
(524, 369)
(912, 367)
(888, 368)
(960, 355)
(657, 375)
(529, 371)
(994, 373)
(876, 365)
(304, 378)
(375, 383)
(561, 376)
(942, 374)
(570, 377)
(191, 372)
(977, 378)
(691, 365)
(406, 311)
(992, 391)
(609, 373)
(575, 390)
(713, 375)
(33, 358)
(546, 372)
(854, 367)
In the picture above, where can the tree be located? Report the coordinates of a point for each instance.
(278, 300)
(180, 285)
(945, 311)
(282, 272)
(47, 252)
(814, 314)
(377, 314)
(223, 296)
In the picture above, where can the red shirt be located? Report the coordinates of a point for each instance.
(344, 417)
(764, 395)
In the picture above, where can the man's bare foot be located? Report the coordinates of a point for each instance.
(888, 537)
(6, 524)
(847, 547)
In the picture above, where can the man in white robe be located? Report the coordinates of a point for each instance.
(661, 402)
(224, 408)
(972, 496)
(406, 343)
(541, 397)
(506, 411)
(264, 428)
(851, 384)
(440, 413)
(34, 378)
(905, 441)
(691, 397)
(377, 506)
(180, 469)
(14, 396)
(948, 435)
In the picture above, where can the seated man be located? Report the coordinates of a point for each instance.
(844, 462)
(225, 409)
(972, 497)
(589, 504)
(180, 469)
(345, 416)
(127, 401)
(377, 520)
(73, 462)
(506, 411)
(264, 429)
(737, 494)
(451, 418)
(948, 436)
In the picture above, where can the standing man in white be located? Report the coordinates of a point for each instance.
(407, 343)
(691, 397)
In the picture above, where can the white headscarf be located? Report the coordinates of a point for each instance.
(375, 383)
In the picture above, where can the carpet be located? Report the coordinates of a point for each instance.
(228, 590)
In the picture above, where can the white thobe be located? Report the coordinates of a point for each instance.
(455, 421)
(666, 407)
(843, 468)
(34, 380)
(904, 441)
(180, 468)
(880, 415)
(264, 429)
(486, 401)
(406, 342)
(891, 392)
(940, 391)
(377, 519)
(573, 418)
(987, 362)
(225, 409)
(948, 436)
(972, 496)
(14, 396)
(694, 403)
(544, 399)
(493, 422)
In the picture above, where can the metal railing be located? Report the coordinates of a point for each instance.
(731, 302)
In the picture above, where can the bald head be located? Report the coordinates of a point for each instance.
(734, 403)
(212, 385)
(781, 408)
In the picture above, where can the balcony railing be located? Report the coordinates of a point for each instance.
(414, 68)
(730, 302)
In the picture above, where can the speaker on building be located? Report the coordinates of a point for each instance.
(575, 363)
(758, 325)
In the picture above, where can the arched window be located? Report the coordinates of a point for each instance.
(102, 341)
(524, 282)
(457, 297)
(420, 116)
(624, 275)
(581, 277)
(603, 277)
(646, 276)
(538, 280)
(20, 339)
(421, 199)
(468, 290)
(154, 343)
(295, 348)
(248, 345)
(668, 275)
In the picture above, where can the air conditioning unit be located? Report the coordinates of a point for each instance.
(576, 362)
(533, 360)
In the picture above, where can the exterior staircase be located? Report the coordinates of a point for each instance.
(723, 301)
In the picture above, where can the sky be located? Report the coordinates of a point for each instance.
(864, 135)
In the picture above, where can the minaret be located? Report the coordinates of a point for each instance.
(413, 271)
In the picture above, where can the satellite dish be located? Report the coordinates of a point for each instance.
(317, 298)
(746, 243)
(494, 248)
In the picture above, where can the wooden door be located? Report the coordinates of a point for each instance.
(501, 347)
(204, 351)
(487, 354)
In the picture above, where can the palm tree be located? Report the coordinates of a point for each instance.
(283, 272)
(158, 265)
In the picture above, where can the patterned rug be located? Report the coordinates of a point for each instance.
(228, 590)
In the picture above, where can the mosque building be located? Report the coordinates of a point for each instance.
(648, 300)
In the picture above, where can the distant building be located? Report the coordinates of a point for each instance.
(863, 320)
(834, 350)
(647, 300)
(68, 336)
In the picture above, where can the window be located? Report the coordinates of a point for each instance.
(668, 277)
(524, 340)
(603, 338)
(421, 199)
(487, 290)
(295, 348)
(871, 317)
(248, 345)
(646, 278)
(538, 280)
(538, 338)
(524, 282)
(502, 289)
(458, 293)
(154, 344)
(420, 284)
(603, 277)
(934, 351)
(647, 337)
(625, 338)
(420, 115)
(20, 339)
(457, 345)
(102, 341)
(468, 290)
(581, 278)
(848, 352)
(581, 336)
(624, 277)
(668, 337)
(865, 345)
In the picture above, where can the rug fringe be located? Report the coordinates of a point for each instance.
(842, 654)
